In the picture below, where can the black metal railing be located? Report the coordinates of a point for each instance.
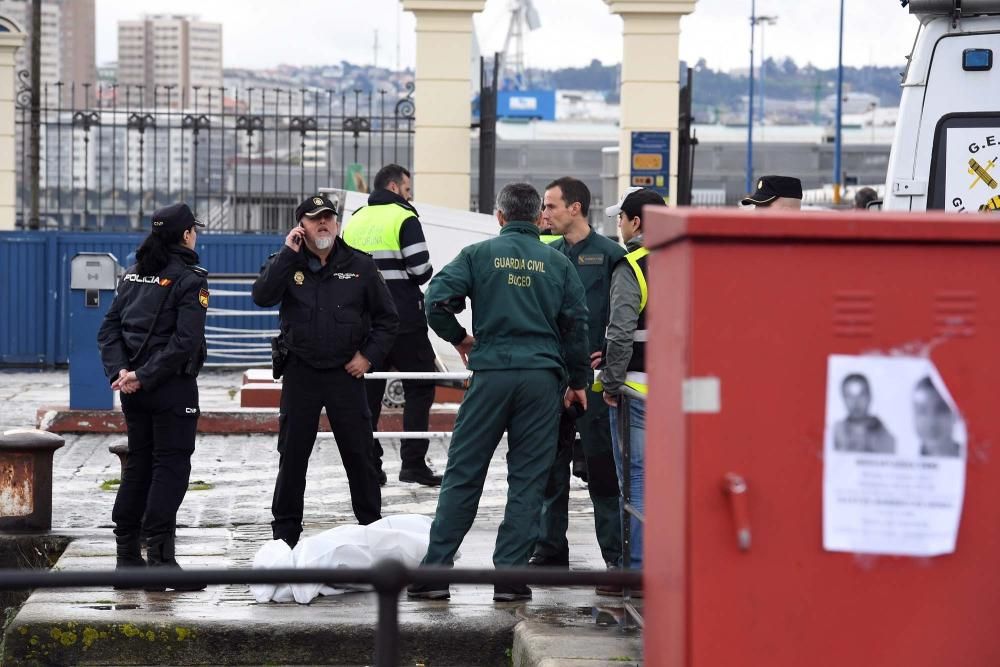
(241, 157)
(388, 577)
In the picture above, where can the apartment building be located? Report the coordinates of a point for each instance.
(67, 43)
(170, 55)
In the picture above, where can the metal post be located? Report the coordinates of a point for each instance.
(487, 135)
(873, 106)
(36, 92)
(389, 577)
(837, 175)
(764, 21)
(387, 632)
(749, 180)
(763, 58)
(685, 155)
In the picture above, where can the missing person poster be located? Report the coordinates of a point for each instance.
(894, 458)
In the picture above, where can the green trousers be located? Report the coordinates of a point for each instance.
(594, 428)
(526, 403)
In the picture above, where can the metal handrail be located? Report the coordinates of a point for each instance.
(389, 577)
(400, 435)
(418, 375)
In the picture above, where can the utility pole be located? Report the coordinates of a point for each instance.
(399, 12)
(749, 181)
(375, 51)
(36, 103)
(763, 21)
(488, 134)
(837, 171)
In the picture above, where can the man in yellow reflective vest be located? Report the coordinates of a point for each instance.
(389, 229)
(625, 351)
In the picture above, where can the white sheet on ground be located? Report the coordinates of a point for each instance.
(274, 555)
(403, 537)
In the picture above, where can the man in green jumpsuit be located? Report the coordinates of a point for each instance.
(566, 208)
(529, 339)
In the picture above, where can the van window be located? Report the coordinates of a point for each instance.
(965, 165)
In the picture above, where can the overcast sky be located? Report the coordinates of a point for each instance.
(265, 33)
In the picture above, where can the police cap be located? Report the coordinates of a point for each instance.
(313, 206)
(770, 188)
(174, 218)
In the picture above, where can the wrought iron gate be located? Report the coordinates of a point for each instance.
(241, 157)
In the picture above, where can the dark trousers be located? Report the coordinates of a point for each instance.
(595, 434)
(305, 392)
(527, 404)
(411, 352)
(161, 430)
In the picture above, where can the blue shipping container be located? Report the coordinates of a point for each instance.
(538, 104)
(35, 284)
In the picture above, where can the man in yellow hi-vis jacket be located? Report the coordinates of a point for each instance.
(625, 351)
(389, 229)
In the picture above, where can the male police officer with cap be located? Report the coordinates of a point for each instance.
(528, 310)
(776, 193)
(389, 229)
(337, 319)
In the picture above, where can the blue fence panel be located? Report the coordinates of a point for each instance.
(237, 254)
(23, 292)
(34, 284)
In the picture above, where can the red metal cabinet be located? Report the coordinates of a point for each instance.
(759, 301)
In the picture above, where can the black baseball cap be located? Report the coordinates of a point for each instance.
(770, 188)
(174, 218)
(313, 206)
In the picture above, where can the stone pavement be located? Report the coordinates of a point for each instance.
(224, 520)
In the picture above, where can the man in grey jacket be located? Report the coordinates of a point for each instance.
(625, 351)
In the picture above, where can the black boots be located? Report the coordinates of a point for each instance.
(418, 475)
(128, 554)
(160, 554)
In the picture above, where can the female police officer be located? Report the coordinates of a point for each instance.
(153, 345)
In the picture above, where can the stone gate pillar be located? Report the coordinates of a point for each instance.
(650, 89)
(11, 38)
(442, 145)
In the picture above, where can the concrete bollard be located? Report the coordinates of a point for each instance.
(26, 479)
(120, 449)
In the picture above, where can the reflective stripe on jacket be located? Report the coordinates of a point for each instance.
(388, 229)
(635, 375)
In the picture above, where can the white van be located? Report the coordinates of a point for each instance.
(946, 151)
